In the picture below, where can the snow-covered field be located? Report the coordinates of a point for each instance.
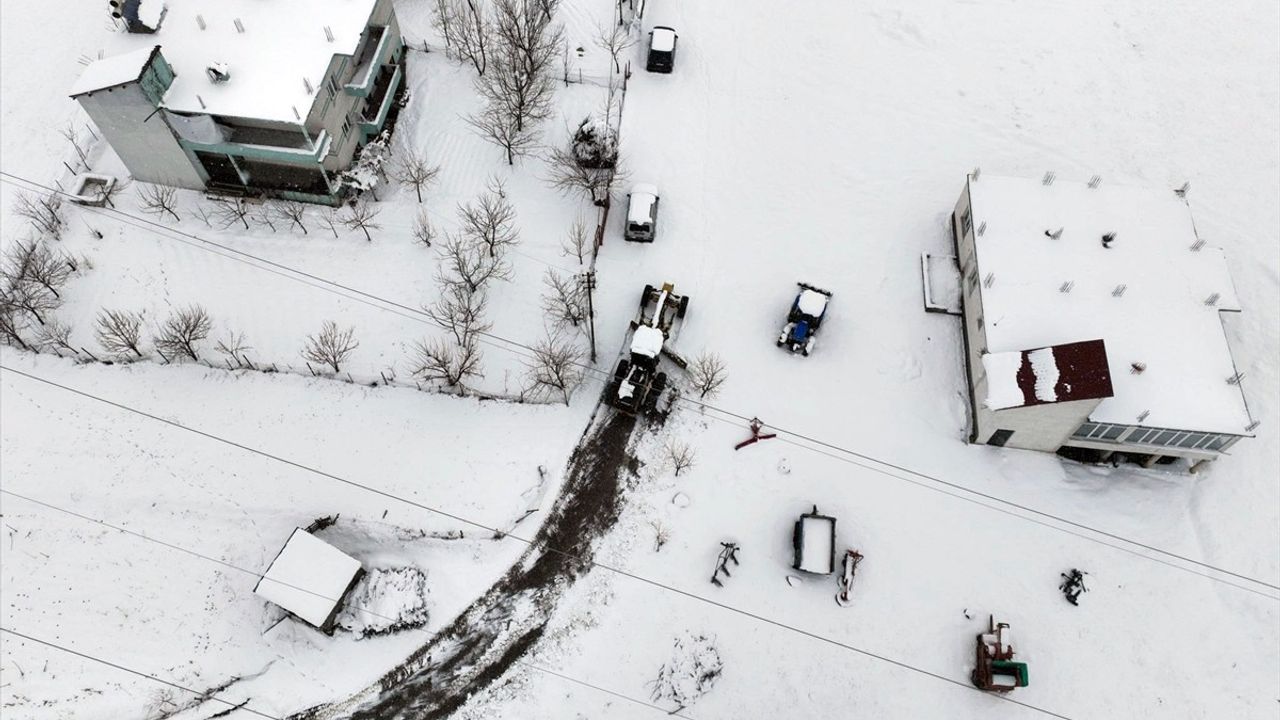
(824, 144)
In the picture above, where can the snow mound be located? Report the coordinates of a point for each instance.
(386, 601)
(693, 670)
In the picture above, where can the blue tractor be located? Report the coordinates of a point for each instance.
(807, 312)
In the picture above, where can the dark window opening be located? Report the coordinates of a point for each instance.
(1000, 437)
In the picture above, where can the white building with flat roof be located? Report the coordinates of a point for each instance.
(1092, 317)
(310, 578)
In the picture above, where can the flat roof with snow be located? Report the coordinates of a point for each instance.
(112, 71)
(1153, 296)
(308, 578)
(283, 42)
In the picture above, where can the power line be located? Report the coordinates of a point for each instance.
(591, 562)
(322, 596)
(139, 673)
(877, 465)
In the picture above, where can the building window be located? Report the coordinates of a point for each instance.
(333, 85)
(346, 127)
(966, 222)
(1170, 438)
(1100, 431)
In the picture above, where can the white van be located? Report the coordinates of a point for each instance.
(642, 213)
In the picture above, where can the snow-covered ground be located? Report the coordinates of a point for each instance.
(825, 144)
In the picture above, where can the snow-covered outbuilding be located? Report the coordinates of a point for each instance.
(309, 578)
(1092, 321)
(258, 96)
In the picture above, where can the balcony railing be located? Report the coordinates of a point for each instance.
(367, 60)
(379, 101)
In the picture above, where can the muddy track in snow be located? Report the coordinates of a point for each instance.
(499, 627)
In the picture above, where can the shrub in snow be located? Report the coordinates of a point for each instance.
(367, 169)
(387, 600)
(694, 667)
(595, 144)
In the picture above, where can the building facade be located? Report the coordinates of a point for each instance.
(250, 97)
(1092, 321)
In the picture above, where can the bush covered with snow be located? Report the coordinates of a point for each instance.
(595, 144)
(387, 600)
(694, 667)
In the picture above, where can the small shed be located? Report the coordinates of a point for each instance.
(814, 540)
(309, 578)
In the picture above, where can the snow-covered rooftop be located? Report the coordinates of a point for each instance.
(643, 196)
(647, 341)
(1075, 371)
(663, 39)
(283, 42)
(308, 577)
(115, 70)
(1150, 296)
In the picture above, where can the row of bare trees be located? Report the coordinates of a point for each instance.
(32, 276)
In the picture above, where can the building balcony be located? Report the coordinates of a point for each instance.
(379, 101)
(367, 61)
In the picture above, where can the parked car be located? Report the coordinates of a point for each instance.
(642, 213)
(662, 49)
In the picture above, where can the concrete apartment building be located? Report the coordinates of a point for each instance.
(1092, 321)
(262, 97)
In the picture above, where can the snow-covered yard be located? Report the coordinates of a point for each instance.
(825, 144)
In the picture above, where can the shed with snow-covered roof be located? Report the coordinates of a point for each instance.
(309, 578)
(1092, 320)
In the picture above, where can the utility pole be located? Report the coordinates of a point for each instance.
(589, 279)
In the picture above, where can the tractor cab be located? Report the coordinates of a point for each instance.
(995, 669)
(805, 318)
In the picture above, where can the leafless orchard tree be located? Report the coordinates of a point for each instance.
(46, 267)
(557, 366)
(33, 299)
(423, 231)
(414, 170)
(331, 219)
(571, 178)
(466, 33)
(490, 219)
(661, 535)
(615, 40)
(294, 212)
(361, 216)
(73, 136)
(11, 324)
(578, 244)
(680, 455)
(265, 215)
(109, 192)
(56, 336)
(230, 211)
(44, 211)
(119, 331)
(332, 346)
(497, 125)
(523, 29)
(201, 213)
(565, 299)
(158, 200)
(181, 331)
(461, 311)
(441, 361)
(233, 346)
(466, 261)
(707, 373)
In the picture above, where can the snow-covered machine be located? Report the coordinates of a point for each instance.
(994, 668)
(814, 541)
(807, 312)
(637, 383)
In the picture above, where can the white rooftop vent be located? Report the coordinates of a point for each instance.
(218, 72)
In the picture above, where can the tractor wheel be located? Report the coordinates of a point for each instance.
(644, 297)
(621, 373)
(683, 307)
(655, 391)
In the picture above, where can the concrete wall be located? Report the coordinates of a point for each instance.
(974, 327)
(1038, 427)
(139, 135)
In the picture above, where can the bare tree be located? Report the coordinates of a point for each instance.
(46, 267)
(56, 336)
(523, 30)
(416, 171)
(681, 456)
(423, 231)
(108, 192)
(466, 261)
(615, 40)
(361, 217)
(158, 200)
(294, 212)
(453, 365)
(331, 219)
(201, 213)
(73, 136)
(265, 215)
(556, 367)
(233, 210)
(661, 535)
(460, 310)
(32, 298)
(490, 219)
(578, 244)
(11, 324)
(692, 671)
(119, 331)
(465, 30)
(332, 346)
(565, 299)
(18, 259)
(707, 373)
(182, 330)
(498, 126)
(233, 346)
(44, 211)
(572, 178)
